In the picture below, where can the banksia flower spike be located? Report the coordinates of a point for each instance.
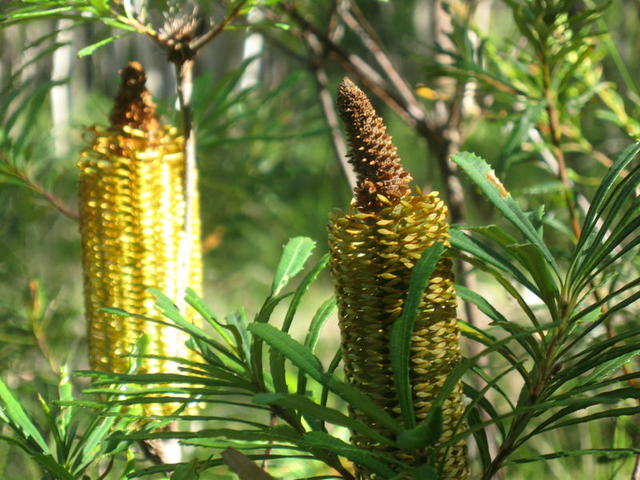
(132, 209)
(374, 248)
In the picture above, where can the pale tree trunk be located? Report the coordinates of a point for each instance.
(253, 46)
(61, 94)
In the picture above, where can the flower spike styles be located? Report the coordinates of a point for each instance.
(132, 207)
(374, 248)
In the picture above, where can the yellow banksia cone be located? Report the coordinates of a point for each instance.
(374, 248)
(132, 215)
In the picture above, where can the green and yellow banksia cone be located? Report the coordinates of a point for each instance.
(132, 215)
(374, 248)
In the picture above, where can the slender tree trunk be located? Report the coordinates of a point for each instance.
(61, 94)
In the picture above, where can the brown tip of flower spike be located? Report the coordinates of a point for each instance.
(133, 106)
(373, 156)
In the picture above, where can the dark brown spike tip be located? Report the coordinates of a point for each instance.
(133, 105)
(373, 156)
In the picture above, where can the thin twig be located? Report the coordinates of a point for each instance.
(331, 117)
(50, 197)
(57, 203)
(361, 27)
(104, 474)
(352, 63)
(553, 123)
(328, 106)
(199, 42)
(635, 475)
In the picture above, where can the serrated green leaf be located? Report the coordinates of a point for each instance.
(298, 354)
(428, 433)
(304, 359)
(483, 176)
(296, 253)
(276, 359)
(402, 331)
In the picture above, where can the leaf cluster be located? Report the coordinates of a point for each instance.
(232, 372)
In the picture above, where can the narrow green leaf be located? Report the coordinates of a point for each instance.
(263, 316)
(480, 437)
(487, 255)
(536, 264)
(101, 6)
(278, 372)
(94, 437)
(481, 302)
(310, 341)
(607, 452)
(65, 394)
(304, 359)
(295, 255)
(360, 401)
(333, 366)
(170, 310)
(90, 49)
(238, 320)
(402, 331)
(608, 367)
(361, 456)
(48, 463)
(275, 358)
(599, 199)
(188, 471)
(202, 339)
(309, 408)
(298, 354)
(18, 417)
(194, 300)
(281, 433)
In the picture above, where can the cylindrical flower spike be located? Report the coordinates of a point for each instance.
(374, 248)
(132, 209)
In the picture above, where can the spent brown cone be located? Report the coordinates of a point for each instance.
(373, 156)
